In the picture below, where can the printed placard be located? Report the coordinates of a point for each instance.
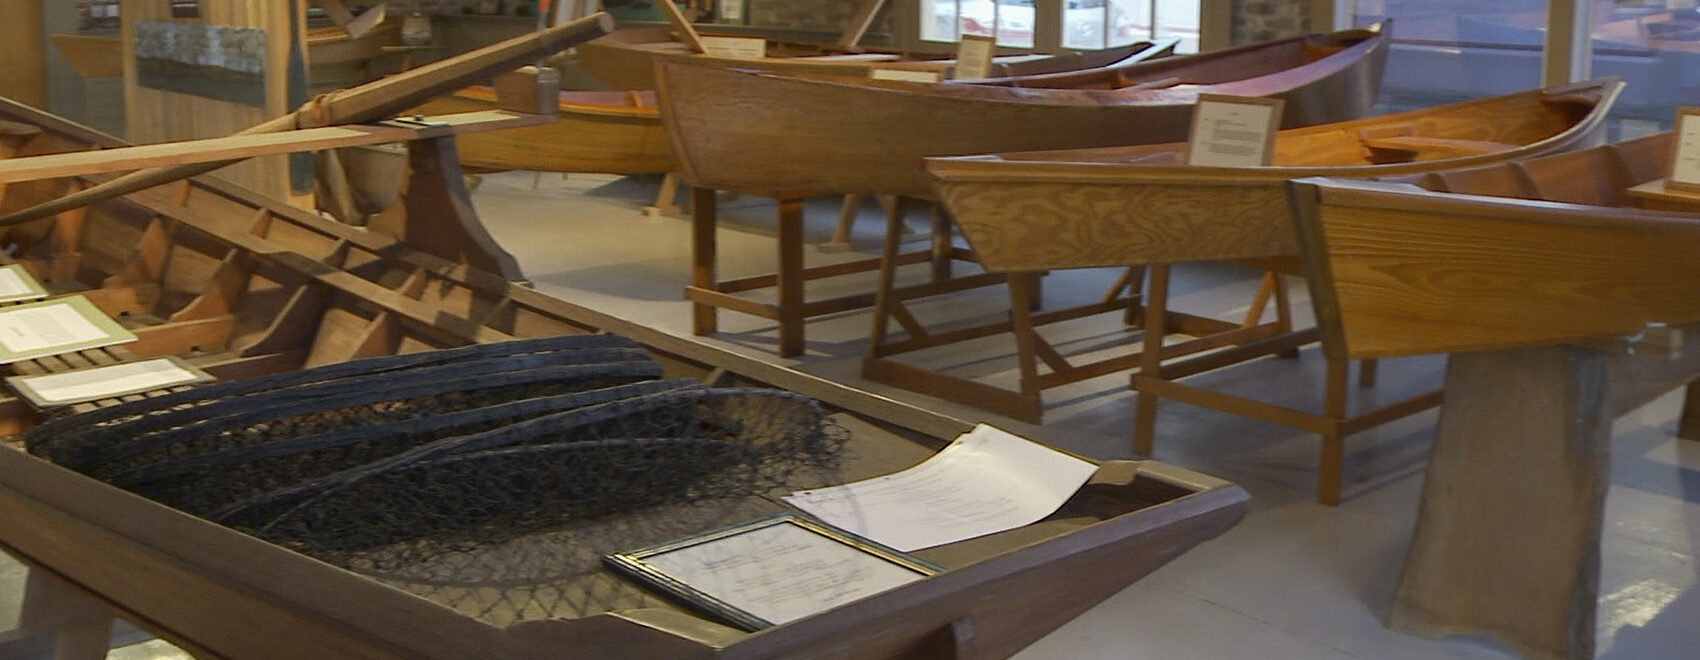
(904, 75)
(104, 382)
(974, 56)
(771, 570)
(16, 284)
(1684, 171)
(730, 11)
(745, 47)
(51, 327)
(1233, 131)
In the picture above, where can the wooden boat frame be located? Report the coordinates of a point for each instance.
(217, 593)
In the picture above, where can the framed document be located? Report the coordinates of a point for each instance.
(51, 327)
(1684, 171)
(974, 56)
(770, 570)
(1233, 131)
(79, 385)
(729, 11)
(753, 48)
(16, 284)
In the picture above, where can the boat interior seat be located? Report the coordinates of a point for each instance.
(1409, 148)
(1492, 180)
(14, 135)
(1642, 159)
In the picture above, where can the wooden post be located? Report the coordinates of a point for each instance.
(1508, 535)
(24, 77)
(435, 213)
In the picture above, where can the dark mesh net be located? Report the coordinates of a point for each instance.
(426, 465)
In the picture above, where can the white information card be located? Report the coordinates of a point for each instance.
(1231, 131)
(50, 327)
(79, 385)
(987, 480)
(16, 284)
(1685, 151)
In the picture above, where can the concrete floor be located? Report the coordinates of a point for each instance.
(1294, 580)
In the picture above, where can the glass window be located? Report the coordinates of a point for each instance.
(1011, 21)
(1452, 50)
(1655, 47)
(1089, 24)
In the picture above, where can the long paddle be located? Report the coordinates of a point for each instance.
(372, 101)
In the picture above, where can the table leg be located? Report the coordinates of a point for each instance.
(790, 277)
(703, 318)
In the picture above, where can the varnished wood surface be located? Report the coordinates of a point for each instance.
(608, 132)
(1418, 272)
(626, 59)
(289, 288)
(1139, 204)
(780, 135)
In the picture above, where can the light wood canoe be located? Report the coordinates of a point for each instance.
(1141, 204)
(614, 132)
(243, 285)
(625, 59)
(787, 136)
(1559, 317)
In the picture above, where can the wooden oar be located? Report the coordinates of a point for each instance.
(379, 99)
(687, 32)
(355, 26)
(859, 24)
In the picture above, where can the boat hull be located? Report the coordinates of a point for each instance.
(1137, 205)
(597, 132)
(790, 136)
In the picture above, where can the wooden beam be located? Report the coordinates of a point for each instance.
(237, 147)
(687, 32)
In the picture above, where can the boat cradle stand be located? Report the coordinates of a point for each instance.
(1026, 403)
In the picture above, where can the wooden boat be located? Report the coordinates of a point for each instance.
(1141, 205)
(1118, 206)
(788, 136)
(626, 59)
(606, 132)
(243, 285)
(1559, 317)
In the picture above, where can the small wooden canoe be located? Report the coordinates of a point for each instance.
(611, 132)
(788, 136)
(243, 285)
(1140, 204)
(625, 59)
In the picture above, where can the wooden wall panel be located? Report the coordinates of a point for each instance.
(155, 115)
(23, 77)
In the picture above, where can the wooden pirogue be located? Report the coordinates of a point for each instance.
(1559, 316)
(243, 285)
(789, 137)
(626, 59)
(1141, 205)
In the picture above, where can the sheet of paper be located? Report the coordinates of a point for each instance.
(16, 284)
(903, 74)
(1686, 167)
(781, 572)
(974, 56)
(56, 326)
(986, 481)
(1230, 135)
(748, 47)
(103, 382)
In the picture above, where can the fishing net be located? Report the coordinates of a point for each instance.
(403, 463)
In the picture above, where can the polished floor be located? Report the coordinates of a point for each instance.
(1293, 580)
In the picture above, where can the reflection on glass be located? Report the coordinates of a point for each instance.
(1655, 47)
(938, 20)
(1014, 23)
(1452, 50)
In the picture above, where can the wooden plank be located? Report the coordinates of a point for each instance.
(24, 76)
(859, 23)
(248, 146)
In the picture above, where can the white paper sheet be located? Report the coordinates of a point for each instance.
(1230, 135)
(16, 284)
(746, 47)
(36, 328)
(781, 572)
(1686, 168)
(986, 481)
(102, 382)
